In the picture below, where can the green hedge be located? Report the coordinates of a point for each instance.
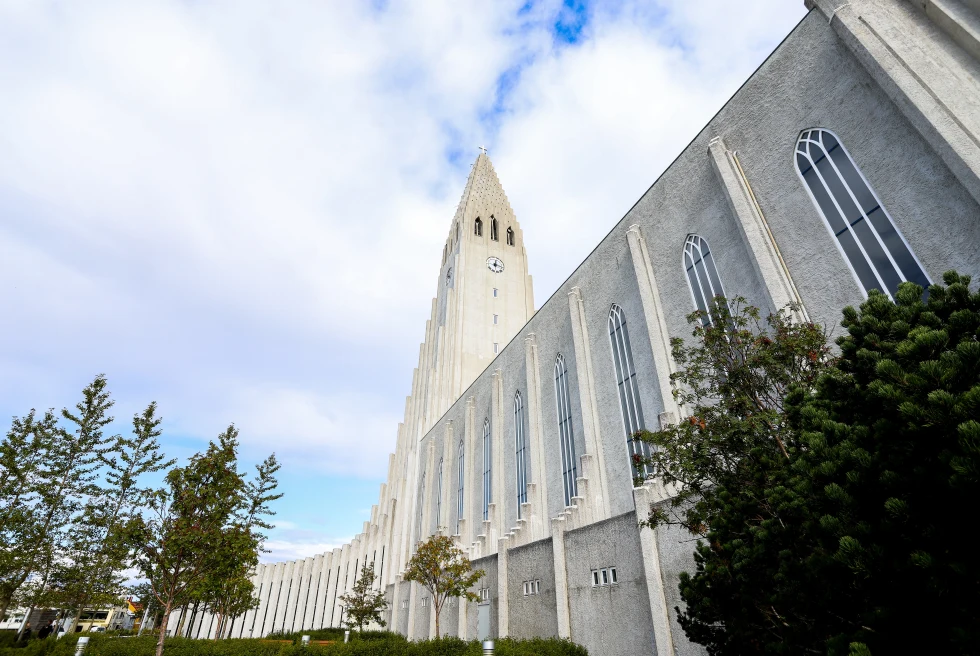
(378, 645)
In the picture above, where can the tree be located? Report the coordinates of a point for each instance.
(228, 590)
(891, 471)
(363, 603)
(98, 549)
(61, 482)
(189, 517)
(22, 455)
(444, 571)
(833, 524)
(731, 384)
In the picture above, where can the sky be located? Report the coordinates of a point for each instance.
(237, 208)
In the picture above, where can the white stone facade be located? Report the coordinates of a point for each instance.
(898, 84)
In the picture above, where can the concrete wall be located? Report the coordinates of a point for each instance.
(534, 614)
(612, 620)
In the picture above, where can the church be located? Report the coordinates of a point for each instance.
(849, 161)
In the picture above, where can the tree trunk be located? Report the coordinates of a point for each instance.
(74, 621)
(163, 629)
(27, 620)
(221, 625)
(4, 605)
(436, 608)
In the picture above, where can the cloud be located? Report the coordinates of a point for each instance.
(238, 210)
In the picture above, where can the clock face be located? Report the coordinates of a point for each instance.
(495, 264)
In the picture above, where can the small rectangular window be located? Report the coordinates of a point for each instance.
(495, 292)
(537, 587)
(495, 319)
(595, 577)
(612, 575)
(495, 347)
(605, 576)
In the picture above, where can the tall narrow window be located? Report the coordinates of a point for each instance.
(421, 504)
(459, 486)
(493, 229)
(702, 275)
(521, 446)
(874, 249)
(510, 237)
(478, 227)
(487, 482)
(457, 232)
(629, 394)
(439, 495)
(566, 439)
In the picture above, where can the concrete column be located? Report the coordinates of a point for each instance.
(341, 586)
(469, 458)
(305, 593)
(590, 405)
(561, 577)
(890, 45)
(295, 595)
(320, 603)
(284, 595)
(275, 593)
(330, 608)
(766, 259)
(653, 314)
(244, 623)
(413, 601)
(537, 522)
(448, 479)
(500, 443)
(503, 588)
(428, 495)
(644, 496)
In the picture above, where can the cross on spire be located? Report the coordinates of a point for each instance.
(484, 149)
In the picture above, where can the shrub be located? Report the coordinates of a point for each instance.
(380, 644)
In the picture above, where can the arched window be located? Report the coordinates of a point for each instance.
(702, 275)
(629, 394)
(459, 486)
(510, 236)
(521, 446)
(478, 227)
(487, 482)
(493, 229)
(421, 505)
(874, 249)
(566, 440)
(439, 495)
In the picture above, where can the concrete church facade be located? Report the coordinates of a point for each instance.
(850, 160)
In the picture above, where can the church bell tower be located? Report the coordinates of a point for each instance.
(484, 295)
